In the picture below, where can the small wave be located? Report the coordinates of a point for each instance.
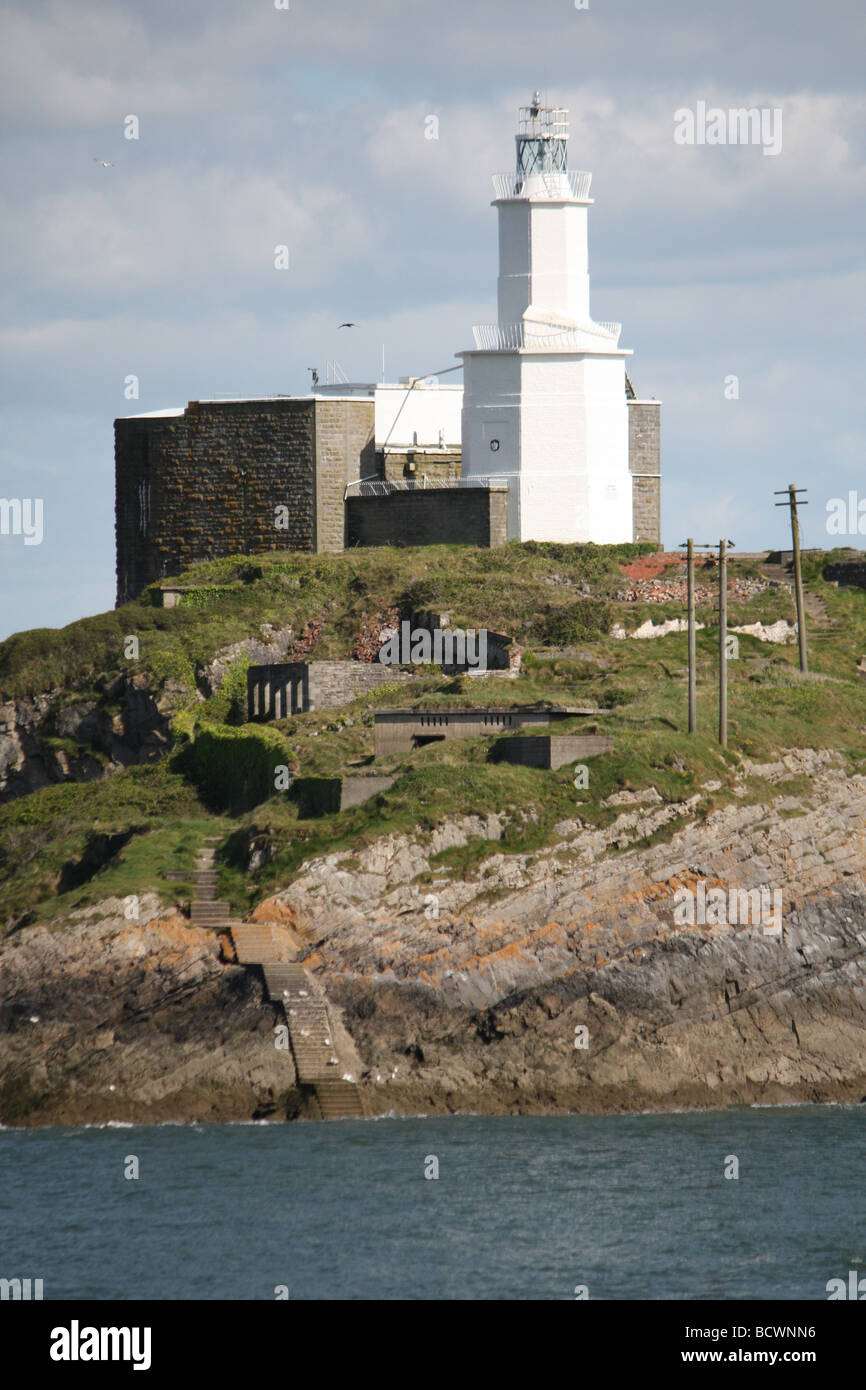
(807, 1105)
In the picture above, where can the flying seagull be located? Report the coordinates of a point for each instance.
(106, 163)
(347, 325)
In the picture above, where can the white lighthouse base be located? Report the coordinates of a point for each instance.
(555, 426)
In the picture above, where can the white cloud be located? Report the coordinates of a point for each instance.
(306, 127)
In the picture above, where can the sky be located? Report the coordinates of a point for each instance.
(308, 127)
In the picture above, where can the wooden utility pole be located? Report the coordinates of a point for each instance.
(693, 692)
(791, 502)
(693, 656)
(690, 548)
(723, 643)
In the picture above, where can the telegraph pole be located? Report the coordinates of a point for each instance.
(723, 642)
(791, 502)
(693, 693)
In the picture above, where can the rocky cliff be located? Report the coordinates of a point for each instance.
(120, 720)
(51, 738)
(559, 979)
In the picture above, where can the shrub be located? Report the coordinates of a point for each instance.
(576, 622)
(233, 769)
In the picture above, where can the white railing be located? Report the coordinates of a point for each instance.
(495, 337)
(508, 337)
(514, 185)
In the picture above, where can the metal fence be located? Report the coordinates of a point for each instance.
(507, 337)
(512, 185)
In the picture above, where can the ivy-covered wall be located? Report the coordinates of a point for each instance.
(235, 769)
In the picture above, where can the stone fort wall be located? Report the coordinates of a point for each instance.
(429, 516)
(644, 457)
(207, 483)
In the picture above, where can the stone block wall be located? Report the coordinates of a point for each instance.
(344, 451)
(334, 683)
(207, 483)
(847, 572)
(644, 457)
(277, 691)
(395, 467)
(429, 516)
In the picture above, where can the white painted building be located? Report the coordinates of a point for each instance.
(414, 412)
(544, 403)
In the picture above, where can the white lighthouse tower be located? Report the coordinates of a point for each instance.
(544, 403)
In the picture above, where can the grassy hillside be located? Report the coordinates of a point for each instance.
(68, 845)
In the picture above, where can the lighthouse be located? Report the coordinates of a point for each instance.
(545, 404)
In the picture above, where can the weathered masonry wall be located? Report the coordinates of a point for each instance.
(277, 691)
(429, 516)
(344, 451)
(393, 466)
(845, 572)
(644, 457)
(334, 683)
(293, 687)
(208, 483)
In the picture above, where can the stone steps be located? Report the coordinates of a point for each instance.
(259, 944)
(288, 984)
(339, 1100)
(208, 910)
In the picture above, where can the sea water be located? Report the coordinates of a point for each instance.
(621, 1207)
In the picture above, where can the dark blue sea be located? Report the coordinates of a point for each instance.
(629, 1207)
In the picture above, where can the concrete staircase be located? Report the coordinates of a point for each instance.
(339, 1100)
(206, 910)
(289, 985)
(258, 943)
(309, 1026)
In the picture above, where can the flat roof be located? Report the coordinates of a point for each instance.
(345, 391)
(487, 709)
(153, 414)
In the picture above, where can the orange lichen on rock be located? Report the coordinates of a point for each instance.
(444, 953)
(274, 912)
(515, 948)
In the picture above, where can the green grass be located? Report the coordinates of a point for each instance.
(41, 833)
(641, 686)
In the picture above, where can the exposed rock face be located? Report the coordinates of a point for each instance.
(127, 725)
(111, 1019)
(473, 990)
(562, 979)
(275, 644)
